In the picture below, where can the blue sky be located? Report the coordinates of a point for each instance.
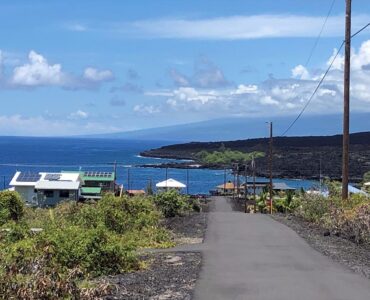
(77, 67)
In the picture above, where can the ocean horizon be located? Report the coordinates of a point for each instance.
(55, 154)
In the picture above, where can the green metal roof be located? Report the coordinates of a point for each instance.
(90, 190)
(85, 177)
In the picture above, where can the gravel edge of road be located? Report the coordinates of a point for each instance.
(171, 274)
(353, 256)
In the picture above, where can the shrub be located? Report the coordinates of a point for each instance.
(11, 206)
(312, 207)
(171, 203)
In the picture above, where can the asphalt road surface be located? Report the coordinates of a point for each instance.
(251, 256)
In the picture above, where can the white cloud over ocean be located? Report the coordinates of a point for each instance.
(275, 97)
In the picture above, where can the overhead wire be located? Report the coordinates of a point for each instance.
(322, 80)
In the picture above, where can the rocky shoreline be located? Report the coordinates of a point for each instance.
(293, 157)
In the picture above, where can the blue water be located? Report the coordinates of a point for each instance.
(56, 154)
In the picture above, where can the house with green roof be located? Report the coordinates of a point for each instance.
(96, 183)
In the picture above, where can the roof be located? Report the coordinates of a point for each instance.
(14, 181)
(20, 178)
(97, 176)
(57, 185)
(228, 186)
(90, 190)
(282, 186)
(353, 190)
(136, 192)
(170, 183)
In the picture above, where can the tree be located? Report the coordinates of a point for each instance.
(11, 206)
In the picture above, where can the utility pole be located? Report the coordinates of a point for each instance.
(270, 167)
(346, 93)
(224, 181)
(254, 182)
(245, 188)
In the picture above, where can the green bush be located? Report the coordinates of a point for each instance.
(78, 242)
(171, 203)
(11, 206)
(313, 207)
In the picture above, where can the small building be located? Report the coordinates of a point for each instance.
(132, 193)
(282, 187)
(226, 188)
(170, 184)
(96, 183)
(46, 189)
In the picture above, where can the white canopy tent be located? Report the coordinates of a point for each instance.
(170, 184)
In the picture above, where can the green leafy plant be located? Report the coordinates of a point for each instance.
(171, 203)
(11, 206)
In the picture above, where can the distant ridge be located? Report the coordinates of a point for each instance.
(244, 128)
(294, 157)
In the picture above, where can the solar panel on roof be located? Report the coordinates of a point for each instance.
(28, 177)
(97, 174)
(52, 177)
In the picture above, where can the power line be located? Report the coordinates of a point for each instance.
(321, 81)
(315, 91)
(320, 33)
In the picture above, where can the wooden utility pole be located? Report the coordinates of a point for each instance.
(254, 181)
(346, 94)
(270, 167)
(245, 188)
(224, 181)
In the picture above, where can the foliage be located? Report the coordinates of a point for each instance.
(78, 242)
(226, 157)
(349, 219)
(11, 206)
(313, 207)
(367, 177)
(171, 203)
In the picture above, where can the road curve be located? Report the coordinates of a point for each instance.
(253, 257)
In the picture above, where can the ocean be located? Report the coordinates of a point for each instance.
(57, 154)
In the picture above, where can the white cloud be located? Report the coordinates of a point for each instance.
(142, 109)
(78, 115)
(240, 27)
(278, 96)
(37, 71)
(300, 72)
(95, 75)
(76, 27)
(40, 126)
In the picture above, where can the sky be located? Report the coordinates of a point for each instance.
(86, 67)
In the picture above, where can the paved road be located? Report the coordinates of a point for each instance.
(254, 257)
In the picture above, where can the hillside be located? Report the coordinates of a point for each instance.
(244, 128)
(294, 157)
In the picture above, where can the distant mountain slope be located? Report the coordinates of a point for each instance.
(242, 128)
(293, 156)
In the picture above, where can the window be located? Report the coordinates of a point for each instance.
(49, 194)
(64, 194)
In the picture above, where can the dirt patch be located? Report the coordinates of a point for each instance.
(189, 229)
(356, 257)
(169, 276)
